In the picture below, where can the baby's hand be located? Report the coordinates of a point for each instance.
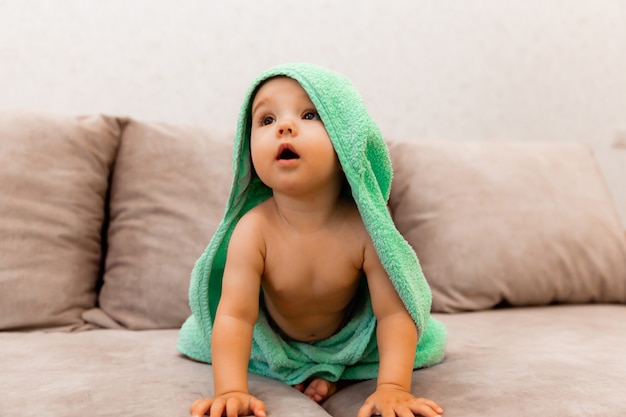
(231, 404)
(392, 401)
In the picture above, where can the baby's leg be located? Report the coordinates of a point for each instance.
(318, 389)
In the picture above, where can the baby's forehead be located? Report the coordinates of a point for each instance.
(281, 84)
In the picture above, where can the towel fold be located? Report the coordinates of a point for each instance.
(351, 353)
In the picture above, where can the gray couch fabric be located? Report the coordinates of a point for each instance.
(558, 360)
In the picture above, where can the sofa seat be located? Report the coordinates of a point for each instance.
(517, 362)
(557, 360)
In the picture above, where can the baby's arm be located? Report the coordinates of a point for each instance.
(397, 340)
(231, 340)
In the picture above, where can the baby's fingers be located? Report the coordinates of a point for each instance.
(200, 407)
(233, 408)
(367, 409)
(218, 407)
(425, 407)
(257, 407)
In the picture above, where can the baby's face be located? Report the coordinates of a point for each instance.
(290, 148)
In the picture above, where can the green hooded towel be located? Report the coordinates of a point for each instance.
(352, 352)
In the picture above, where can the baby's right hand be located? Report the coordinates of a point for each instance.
(231, 404)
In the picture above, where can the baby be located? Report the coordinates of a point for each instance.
(302, 262)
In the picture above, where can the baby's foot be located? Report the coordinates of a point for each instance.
(318, 390)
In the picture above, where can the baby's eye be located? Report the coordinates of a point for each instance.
(311, 115)
(266, 120)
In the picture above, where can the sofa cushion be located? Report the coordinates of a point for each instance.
(168, 193)
(509, 223)
(53, 183)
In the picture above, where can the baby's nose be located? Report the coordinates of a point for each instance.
(286, 127)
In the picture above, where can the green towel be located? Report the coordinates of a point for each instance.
(351, 353)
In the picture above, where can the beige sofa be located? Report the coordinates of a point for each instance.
(101, 219)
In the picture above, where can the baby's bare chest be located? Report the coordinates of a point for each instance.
(313, 265)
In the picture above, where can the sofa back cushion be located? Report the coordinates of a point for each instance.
(53, 183)
(168, 192)
(509, 223)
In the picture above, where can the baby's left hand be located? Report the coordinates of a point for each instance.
(392, 401)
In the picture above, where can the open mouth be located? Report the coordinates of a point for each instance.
(286, 152)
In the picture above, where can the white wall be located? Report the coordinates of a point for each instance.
(427, 69)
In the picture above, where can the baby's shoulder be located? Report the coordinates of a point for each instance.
(249, 230)
(257, 215)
